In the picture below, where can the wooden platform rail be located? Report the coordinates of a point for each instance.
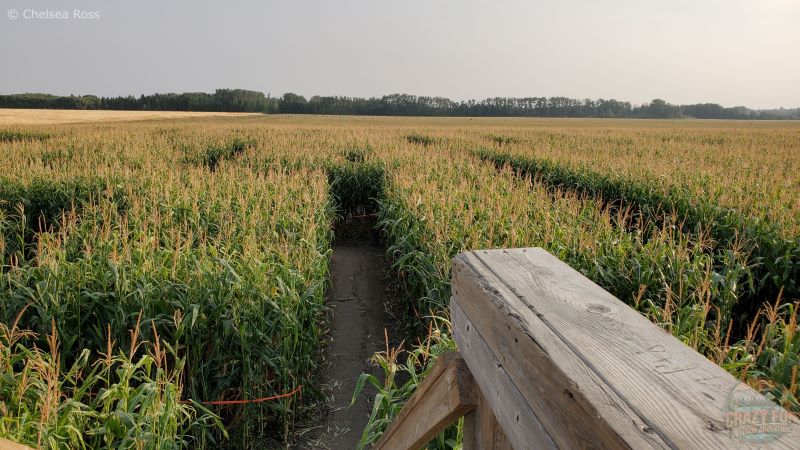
(547, 359)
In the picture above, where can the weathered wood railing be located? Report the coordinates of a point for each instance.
(548, 359)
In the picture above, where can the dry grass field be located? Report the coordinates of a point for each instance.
(9, 117)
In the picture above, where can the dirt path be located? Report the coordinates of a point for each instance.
(358, 319)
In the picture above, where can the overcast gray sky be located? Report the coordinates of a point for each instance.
(734, 52)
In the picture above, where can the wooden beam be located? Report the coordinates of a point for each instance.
(594, 372)
(445, 395)
(500, 395)
(526, 358)
(482, 431)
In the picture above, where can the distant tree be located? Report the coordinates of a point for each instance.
(292, 104)
(658, 109)
(241, 100)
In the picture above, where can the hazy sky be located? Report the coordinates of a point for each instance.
(734, 52)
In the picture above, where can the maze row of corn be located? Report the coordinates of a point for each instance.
(148, 266)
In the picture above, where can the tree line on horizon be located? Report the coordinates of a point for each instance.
(241, 100)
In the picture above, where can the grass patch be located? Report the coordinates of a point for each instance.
(23, 136)
(421, 139)
(216, 153)
(502, 140)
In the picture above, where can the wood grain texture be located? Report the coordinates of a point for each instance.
(481, 429)
(594, 372)
(500, 394)
(446, 394)
(561, 393)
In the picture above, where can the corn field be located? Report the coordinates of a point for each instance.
(150, 266)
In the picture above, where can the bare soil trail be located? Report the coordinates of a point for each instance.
(358, 319)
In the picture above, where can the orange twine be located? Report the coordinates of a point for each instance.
(242, 402)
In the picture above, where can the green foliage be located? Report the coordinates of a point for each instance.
(502, 140)
(778, 358)
(355, 185)
(439, 205)
(357, 155)
(232, 100)
(402, 374)
(233, 273)
(39, 206)
(217, 238)
(394, 105)
(425, 231)
(215, 153)
(421, 139)
(772, 261)
(122, 401)
(21, 135)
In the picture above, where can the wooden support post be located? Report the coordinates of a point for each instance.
(499, 394)
(482, 431)
(445, 395)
